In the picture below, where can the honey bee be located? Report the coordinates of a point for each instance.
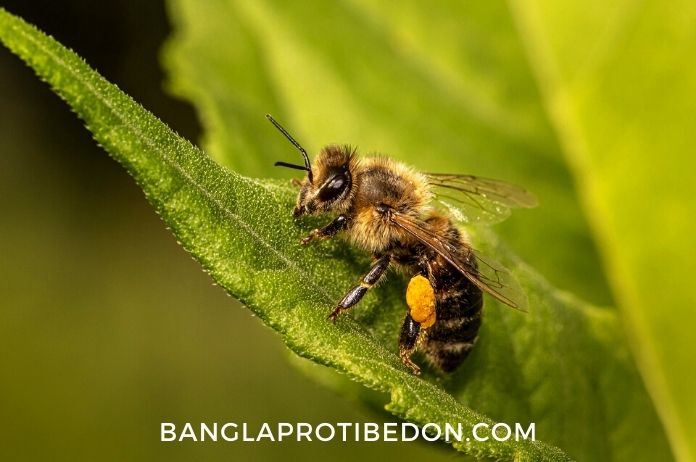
(391, 211)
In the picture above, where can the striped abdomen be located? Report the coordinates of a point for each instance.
(458, 308)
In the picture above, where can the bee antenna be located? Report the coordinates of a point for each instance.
(285, 133)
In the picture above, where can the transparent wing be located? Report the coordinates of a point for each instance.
(473, 199)
(485, 273)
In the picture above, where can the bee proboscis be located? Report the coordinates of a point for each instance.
(386, 208)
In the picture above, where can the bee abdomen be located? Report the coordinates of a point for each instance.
(459, 309)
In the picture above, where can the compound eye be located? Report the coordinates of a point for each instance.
(333, 188)
(336, 184)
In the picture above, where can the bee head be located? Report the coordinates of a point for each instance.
(329, 189)
(327, 186)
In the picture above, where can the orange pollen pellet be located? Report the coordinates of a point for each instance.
(420, 298)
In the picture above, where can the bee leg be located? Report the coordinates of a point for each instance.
(338, 224)
(408, 342)
(354, 295)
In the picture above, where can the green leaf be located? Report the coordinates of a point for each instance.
(444, 86)
(366, 72)
(623, 104)
(564, 365)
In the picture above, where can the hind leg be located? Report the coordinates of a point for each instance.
(420, 298)
(408, 342)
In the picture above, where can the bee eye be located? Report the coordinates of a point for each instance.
(336, 184)
(333, 188)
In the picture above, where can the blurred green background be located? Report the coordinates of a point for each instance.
(107, 326)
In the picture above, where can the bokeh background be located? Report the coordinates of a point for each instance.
(108, 327)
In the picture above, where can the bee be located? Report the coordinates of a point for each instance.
(391, 211)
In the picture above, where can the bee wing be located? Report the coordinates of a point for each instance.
(473, 199)
(483, 272)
